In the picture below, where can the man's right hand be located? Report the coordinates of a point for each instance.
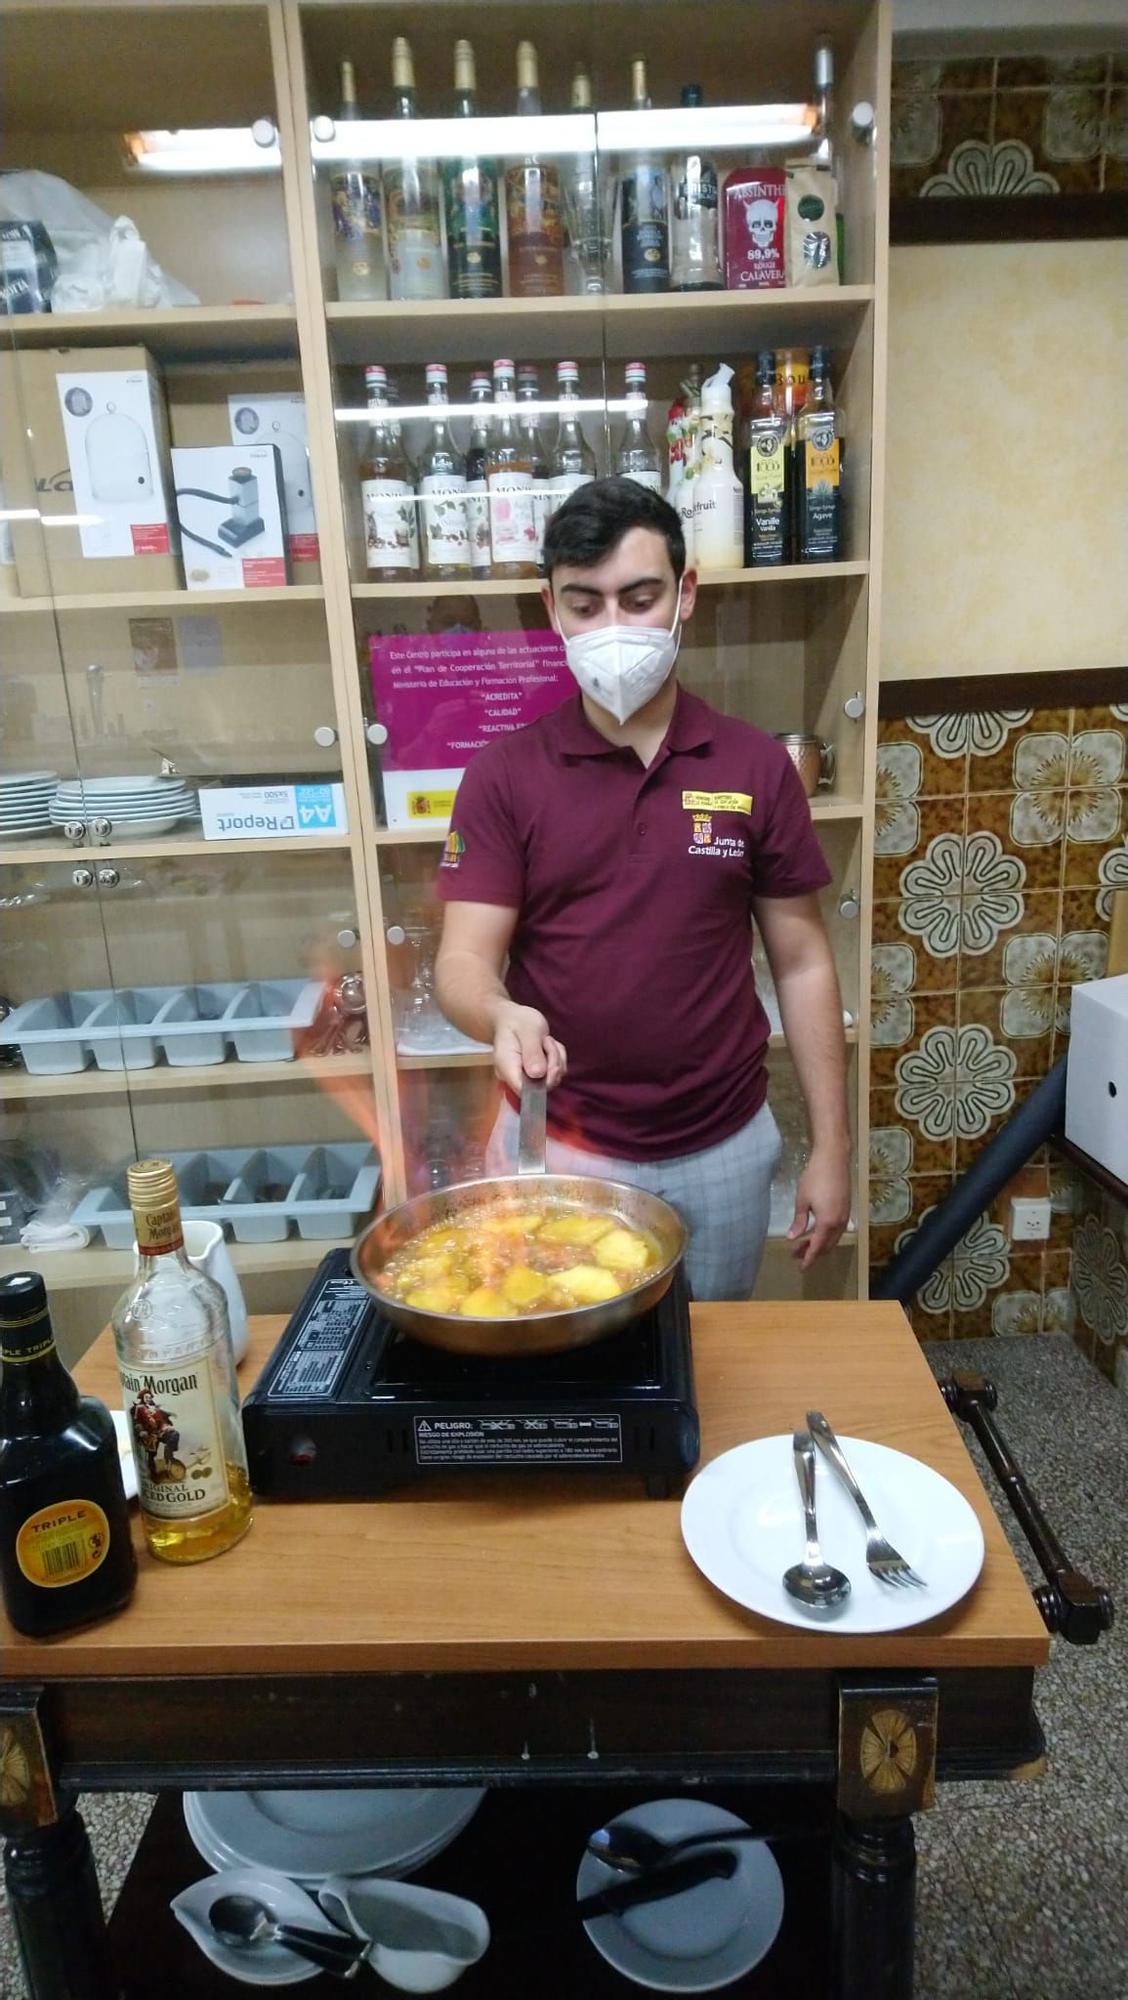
(523, 1047)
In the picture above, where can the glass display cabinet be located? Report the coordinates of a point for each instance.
(226, 767)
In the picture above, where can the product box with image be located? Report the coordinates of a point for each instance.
(279, 418)
(232, 516)
(84, 445)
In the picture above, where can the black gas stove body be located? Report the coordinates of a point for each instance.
(347, 1407)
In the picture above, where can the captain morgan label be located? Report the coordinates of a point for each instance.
(174, 1430)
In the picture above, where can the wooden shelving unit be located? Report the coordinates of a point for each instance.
(788, 656)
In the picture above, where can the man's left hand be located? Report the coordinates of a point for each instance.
(822, 1206)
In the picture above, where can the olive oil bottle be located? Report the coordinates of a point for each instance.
(66, 1552)
(178, 1382)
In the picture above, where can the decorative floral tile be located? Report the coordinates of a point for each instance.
(1073, 124)
(930, 1011)
(1018, 1312)
(1024, 824)
(931, 818)
(955, 1083)
(928, 130)
(890, 1163)
(891, 985)
(989, 1009)
(930, 1156)
(897, 787)
(1083, 956)
(960, 894)
(929, 1323)
(942, 774)
(1104, 715)
(978, 1265)
(1100, 1281)
(998, 739)
(916, 78)
(927, 1191)
(1041, 916)
(1009, 167)
(1089, 860)
(1115, 159)
(968, 73)
(1097, 758)
(1113, 872)
(1015, 71)
(1065, 1190)
(975, 734)
(1056, 1267)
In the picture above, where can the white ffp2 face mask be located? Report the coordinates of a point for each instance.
(622, 667)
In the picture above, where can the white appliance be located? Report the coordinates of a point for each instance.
(1096, 1083)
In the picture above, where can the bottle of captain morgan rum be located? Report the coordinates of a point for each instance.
(177, 1374)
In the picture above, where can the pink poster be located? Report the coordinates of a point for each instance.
(442, 695)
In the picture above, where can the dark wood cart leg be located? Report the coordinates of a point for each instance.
(48, 1867)
(886, 1770)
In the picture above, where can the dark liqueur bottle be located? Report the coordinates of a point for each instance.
(66, 1552)
(818, 469)
(767, 509)
(645, 214)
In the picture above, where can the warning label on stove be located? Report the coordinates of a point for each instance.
(323, 1345)
(518, 1440)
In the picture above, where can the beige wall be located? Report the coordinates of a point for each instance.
(1006, 507)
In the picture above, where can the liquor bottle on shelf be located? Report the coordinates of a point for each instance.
(66, 1551)
(825, 154)
(178, 1380)
(528, 392)
(477, 503)
(718, 511)
(683, 430)
(637, 456)
(358, 214)
(645, 197)
(509, 485)
(442, 489)
(411, 201)
(471, 203)
(387, 491)
(588, 191)
(533, 203)
(818, 484)
(573, 460)
(767, 504)
(695, 257)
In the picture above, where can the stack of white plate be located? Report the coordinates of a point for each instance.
(141, 806)
(25, 800)
(314, 1834)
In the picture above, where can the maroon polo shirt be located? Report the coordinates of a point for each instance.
(634, 887)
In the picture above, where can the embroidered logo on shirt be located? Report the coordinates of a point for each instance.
(717, 802)
(454, 847)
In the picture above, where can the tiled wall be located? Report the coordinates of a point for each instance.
(1000, 835)
(991, 125)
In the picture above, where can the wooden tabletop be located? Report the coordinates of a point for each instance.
(516, 1572)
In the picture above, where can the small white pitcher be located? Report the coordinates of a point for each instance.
(422, 1939)
(207, 1250)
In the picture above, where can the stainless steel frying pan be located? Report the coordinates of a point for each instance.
(533, 1333)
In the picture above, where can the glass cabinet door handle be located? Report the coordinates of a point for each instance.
(854, 705)
(83, 878)
(376, 732)
(346, 938)
(325, 736)
(849, 905)
(264, 132)
(108, 878)
(396, 934)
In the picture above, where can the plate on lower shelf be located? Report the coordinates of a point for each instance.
(314, 1834)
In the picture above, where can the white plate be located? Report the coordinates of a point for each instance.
(97, 786)
(344, 1832)
(742, 1523)
(22, 832)
(267, 1964)
(125, 1454)
(705, 1937)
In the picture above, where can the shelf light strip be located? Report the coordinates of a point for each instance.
(725, 128)
(576, 406)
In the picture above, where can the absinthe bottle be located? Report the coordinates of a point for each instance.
(509, 483)
(391, 534)
(66, 1550)
(471, 202)
(573, 460)
(767, 499)
(477, 502)
(178, 1383)
(411, 200)
(358, 225)
(532, 203)
(442, 489)
(644, 194)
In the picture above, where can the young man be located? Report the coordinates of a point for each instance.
(610, 862)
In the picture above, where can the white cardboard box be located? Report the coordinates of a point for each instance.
(1096, 1077)
(280, 419)
(232, 516)
(116, 460)
(272, 812)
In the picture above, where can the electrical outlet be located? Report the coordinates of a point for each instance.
(1029, 1218)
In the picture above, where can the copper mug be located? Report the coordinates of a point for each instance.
(813, 758)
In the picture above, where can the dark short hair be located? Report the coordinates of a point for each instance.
(593, 520)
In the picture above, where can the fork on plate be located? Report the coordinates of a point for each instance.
(882, 1559)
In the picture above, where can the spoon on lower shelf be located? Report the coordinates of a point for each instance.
(631, 1849)
(245, 1923)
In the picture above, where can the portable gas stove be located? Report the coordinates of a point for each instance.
(348, 1406)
